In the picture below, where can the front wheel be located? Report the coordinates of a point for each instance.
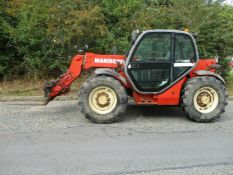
(204, 99)
(102, 99)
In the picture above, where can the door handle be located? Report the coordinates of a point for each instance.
(135, 66)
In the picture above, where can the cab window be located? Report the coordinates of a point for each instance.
(184, 52)
(154, 47)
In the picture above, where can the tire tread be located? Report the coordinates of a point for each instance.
(185, 99)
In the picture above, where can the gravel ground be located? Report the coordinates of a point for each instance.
(57, 139)
(32, 117)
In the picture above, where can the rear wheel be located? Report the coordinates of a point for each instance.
(204, 99)
(102, 99)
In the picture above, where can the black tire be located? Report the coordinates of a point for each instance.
(99, 81)
(188, 97)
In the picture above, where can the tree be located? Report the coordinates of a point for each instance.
(48, 33)
(39, 37)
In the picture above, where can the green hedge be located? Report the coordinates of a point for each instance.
(38, 38)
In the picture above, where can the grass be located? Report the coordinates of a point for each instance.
(35, 87)
(21, 88)
(27, 87)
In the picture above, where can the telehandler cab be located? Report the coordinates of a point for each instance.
(162, 68)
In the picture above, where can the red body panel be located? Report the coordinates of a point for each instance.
(203, 64)
(90, 60)
(169, 97)
(102, 61)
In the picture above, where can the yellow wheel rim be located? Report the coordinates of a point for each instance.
(206, 100)
(102, 100)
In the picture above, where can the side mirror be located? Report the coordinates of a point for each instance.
(135, 35)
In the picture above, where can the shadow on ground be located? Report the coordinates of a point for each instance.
(152, 111)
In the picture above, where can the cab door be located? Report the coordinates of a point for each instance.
(150, 65)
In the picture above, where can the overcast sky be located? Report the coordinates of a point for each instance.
(230, 2)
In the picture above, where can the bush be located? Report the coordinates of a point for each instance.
(48, 33)
(38, 38)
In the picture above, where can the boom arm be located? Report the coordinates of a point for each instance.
(61, 85)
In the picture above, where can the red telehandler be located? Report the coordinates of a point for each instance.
(162, 68)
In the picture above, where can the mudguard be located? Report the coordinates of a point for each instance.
(213, 66)
(111, 72)
(209, 73)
